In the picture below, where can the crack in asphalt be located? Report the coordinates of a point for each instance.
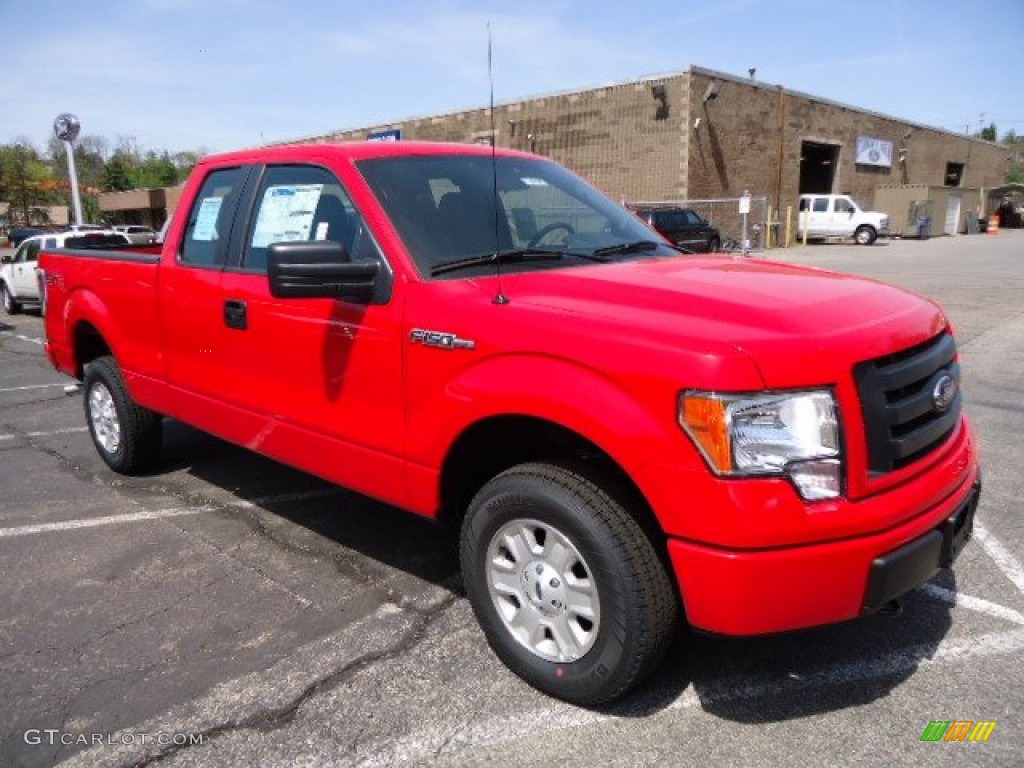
(271, 718)
(274, 718)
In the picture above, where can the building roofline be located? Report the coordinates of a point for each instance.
(390, 124)
(691, 70)
(831, 102)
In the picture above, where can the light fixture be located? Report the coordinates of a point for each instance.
(713, 89)
(660, 94)
(66, 128)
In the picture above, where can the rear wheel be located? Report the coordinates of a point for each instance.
(714, 244)
(566, 586)
(865, 235)
(126, 435)
(11, 305)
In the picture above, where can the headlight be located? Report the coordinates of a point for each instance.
(795, 434)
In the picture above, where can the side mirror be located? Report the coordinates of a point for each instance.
(318, 269)
(7, 258)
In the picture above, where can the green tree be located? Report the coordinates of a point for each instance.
(1015, 143)
(23, 177)
(117, 173)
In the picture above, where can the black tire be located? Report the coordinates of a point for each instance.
(126, 435)
(11, 305)
(865, 235)
(714, 244)
(636, 607)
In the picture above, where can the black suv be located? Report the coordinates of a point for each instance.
(682, 227)
(18, 234)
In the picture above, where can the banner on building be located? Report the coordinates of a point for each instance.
(871, 151)
(392, 135)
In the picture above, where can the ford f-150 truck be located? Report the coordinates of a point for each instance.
(624, 436)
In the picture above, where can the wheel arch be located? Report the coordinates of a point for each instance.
(490, 446)
(87, 344)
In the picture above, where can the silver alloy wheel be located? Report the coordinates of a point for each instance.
(103, 414)
(543, 590)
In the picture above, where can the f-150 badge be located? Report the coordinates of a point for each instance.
(438, 339)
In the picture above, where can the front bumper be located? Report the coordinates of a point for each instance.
(743, 592)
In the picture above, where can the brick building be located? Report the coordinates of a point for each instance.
(704, 134)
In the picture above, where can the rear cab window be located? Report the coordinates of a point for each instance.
(209, 221)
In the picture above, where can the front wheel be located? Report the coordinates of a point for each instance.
(864, 235)
(568, 589)
(11, 305)
(126, 435)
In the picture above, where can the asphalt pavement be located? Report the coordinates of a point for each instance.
(225, 610)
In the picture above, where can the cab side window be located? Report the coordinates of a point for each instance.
(209, 221)
(821, 205)
(304, 203)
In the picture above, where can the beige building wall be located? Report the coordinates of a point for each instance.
(626, 139)
(751, 137)
(660, 139)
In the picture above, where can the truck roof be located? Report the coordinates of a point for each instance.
(356, 150)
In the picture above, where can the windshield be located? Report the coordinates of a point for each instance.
(443, 206)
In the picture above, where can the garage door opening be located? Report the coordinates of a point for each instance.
(817, 167)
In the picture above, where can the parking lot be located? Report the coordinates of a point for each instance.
(226, 610)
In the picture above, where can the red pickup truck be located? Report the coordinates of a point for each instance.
(624, 434)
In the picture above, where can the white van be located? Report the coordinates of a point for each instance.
(839, 216)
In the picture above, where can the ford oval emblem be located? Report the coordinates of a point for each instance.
(944, 392)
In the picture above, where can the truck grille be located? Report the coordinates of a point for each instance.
(911, 402)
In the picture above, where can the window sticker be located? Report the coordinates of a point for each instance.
(286, 213)
(206, 221)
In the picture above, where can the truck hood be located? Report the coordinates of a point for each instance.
(799, 325)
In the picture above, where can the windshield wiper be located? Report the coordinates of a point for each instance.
(622, 248)
(483, 259)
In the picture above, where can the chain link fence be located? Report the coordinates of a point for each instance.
(724, 214)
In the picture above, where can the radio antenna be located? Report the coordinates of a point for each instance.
(500, 298)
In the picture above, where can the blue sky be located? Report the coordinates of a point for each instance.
(226, 74)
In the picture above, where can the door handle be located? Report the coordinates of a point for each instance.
(235, 315)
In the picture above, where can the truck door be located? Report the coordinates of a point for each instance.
(23, 270)
(843, 219)
(190, 299)
(321, 377)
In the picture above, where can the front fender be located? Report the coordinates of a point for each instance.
(632, 424)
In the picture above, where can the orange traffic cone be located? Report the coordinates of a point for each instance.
(993, 225)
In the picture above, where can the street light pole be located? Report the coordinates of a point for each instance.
(66, 128)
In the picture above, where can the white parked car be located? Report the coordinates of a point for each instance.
(19, 284)
(137, 233)
(839, 216)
